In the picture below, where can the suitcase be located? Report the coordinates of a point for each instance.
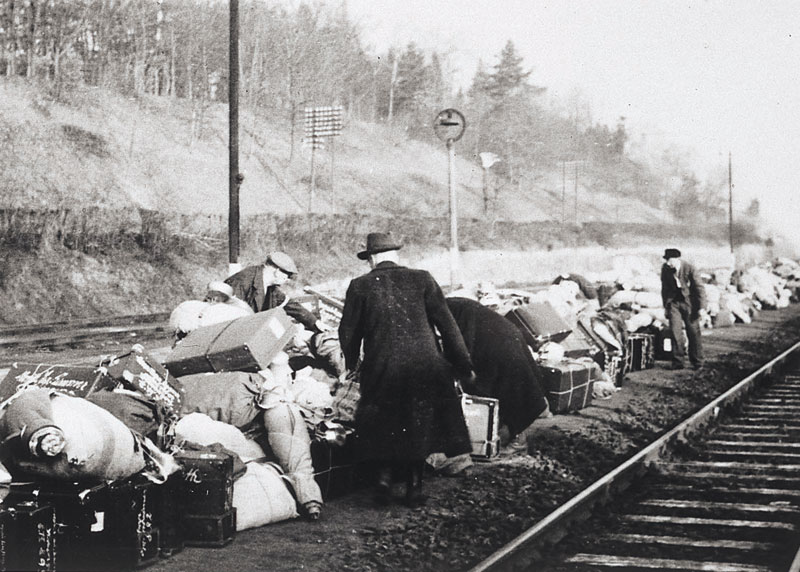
(577, 345)
(210, 530)
(74, 380)
(138, 371)
(207, 486)
(334, 467)
(639, 352)
(138, 533)
(100, 527)
(569, 384)
(27, 537)
(613, 364)
(169, 512)
(245, 344)
(539, 323)
(482, 415)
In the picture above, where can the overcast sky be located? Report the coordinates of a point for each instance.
(712, 76)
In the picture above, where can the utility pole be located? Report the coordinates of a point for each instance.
(730, 202)
(576, 194)
(563, 192)
(234, 177)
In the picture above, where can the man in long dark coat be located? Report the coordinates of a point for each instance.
(409, 406)
(504, 366)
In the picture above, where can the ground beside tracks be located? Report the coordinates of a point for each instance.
(470, 516)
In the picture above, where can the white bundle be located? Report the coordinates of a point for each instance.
(201, 429)
(261, 496)
(638, 298)
(551, 353)
(98, 445)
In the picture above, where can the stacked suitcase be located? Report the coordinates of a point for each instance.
(245, 344)
(209, 517)
(539, 323)
(569, 384)
(639, 352)
(72, 526)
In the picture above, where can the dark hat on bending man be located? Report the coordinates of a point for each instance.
(378, 242)
(672, 253)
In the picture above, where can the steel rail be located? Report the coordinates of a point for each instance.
(58, 334)
(525, 549)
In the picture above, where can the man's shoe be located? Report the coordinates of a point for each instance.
(383, 494)
(414, 498)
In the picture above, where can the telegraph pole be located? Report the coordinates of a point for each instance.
(730, 202)
(234, 177)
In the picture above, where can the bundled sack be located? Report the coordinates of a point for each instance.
(313, 397)
(263, 496)
(631, 298)
(346, 395)
(96, 445)
(202, 430)
(231, 397)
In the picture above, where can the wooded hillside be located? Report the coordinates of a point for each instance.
(128, 100)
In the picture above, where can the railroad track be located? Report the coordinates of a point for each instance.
(719, 492)
(75, 333)
(70, 334)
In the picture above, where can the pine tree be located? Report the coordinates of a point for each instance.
(508, 76)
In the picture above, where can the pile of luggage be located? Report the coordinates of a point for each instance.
(114, 466)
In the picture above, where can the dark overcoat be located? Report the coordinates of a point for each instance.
(409, 406)
(504, 366)
(248, 285)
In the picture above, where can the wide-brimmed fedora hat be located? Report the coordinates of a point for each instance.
(378, 242)
(672, 253)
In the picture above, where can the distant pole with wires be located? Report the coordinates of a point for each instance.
(730, 202)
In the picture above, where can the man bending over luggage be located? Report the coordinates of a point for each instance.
(259, 286)
(504, 367)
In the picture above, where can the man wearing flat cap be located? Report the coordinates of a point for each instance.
(259, 286)
(409, 406)
(684, 299)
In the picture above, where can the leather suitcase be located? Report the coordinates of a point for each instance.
(245, 344)
(169, 509)
(74, 380)
(482, 415)
(207, 487)
(27, 537)
(639, 352)
(539, 323)
(101, 527)
(569, 384)
(210, 530)
(577, 345)
(138, 371)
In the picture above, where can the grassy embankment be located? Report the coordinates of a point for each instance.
(113, 205)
